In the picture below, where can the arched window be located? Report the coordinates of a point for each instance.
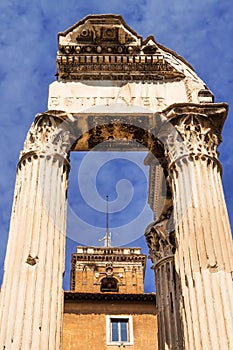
(109, 284)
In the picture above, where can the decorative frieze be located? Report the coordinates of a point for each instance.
(96, 49)
(128, 67)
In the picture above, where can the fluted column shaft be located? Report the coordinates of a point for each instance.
(161, 245)
(203, 257)
(32, 296)
(167, 292)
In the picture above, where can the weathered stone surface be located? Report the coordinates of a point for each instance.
(113, 86)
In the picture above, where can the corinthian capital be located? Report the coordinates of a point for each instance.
(160, 240)
(49, 134)
(193, 131)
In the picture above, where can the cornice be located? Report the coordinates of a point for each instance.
(104, 47)
(115, 67)
(109, 258)
(75, 296)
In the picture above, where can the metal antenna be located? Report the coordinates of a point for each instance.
(107, 237)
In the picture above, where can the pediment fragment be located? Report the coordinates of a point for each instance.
(104, 47)
(106, 30)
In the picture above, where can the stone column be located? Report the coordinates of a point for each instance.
(203, 257)
(162, 247)
(31, 295)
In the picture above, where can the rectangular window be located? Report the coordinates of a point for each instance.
(119, 330)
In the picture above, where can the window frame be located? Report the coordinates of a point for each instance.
(109, 319)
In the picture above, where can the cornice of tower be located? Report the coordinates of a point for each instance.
(109, 254)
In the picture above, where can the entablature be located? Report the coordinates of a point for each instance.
(104, 47)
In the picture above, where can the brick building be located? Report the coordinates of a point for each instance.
(107, 307)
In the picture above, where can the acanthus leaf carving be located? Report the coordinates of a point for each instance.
(191, 136)
(60, 142)
(193, 131)
(160, 240)
(48, 135)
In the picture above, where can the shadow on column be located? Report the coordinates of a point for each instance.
(162, 247)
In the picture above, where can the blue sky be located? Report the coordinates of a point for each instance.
(201, 32)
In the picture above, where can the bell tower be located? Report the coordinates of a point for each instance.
(118, 91)
(103, 269)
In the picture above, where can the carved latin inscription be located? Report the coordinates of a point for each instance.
(79, 101)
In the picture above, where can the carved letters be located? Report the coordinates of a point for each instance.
(84, 101)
